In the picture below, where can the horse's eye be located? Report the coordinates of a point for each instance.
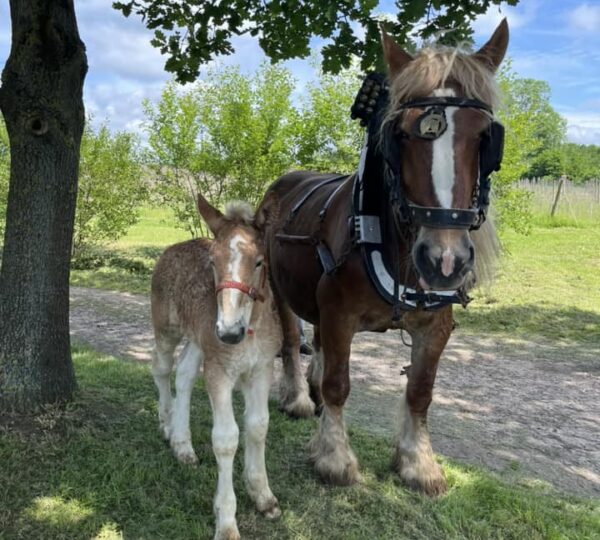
(259, 263)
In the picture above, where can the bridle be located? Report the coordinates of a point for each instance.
(252, 292)
(369, 106)
(381, 158)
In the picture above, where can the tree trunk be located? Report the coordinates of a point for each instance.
(41, 100)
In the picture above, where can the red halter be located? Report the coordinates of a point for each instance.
(252, 292)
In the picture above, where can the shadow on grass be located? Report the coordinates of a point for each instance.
(99, 469)
(543, 319)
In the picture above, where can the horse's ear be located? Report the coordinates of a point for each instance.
(268, 212)
(395, 57)
(492, 53)
(211, 216)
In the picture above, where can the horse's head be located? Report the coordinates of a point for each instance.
(440, 119)
(237, 257)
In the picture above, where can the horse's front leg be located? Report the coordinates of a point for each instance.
(225, 434)
(294, 398)
(334, 460)
(256, 425)
(414, 457)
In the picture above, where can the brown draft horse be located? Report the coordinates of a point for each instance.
(425, 174)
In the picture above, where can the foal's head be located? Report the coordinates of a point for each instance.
(439, 147)
(237, 257)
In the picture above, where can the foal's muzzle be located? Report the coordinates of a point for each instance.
(231, 335)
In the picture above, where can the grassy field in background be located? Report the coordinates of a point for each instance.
(99, 470)
(548, 284)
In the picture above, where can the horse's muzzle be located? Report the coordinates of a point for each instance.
(442, 270)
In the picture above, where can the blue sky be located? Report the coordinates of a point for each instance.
(554, 40)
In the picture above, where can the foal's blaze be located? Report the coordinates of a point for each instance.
(443, 172)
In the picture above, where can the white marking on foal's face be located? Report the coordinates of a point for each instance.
(442, 166)
(234, 308)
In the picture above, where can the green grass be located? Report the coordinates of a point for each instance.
(549, 283)
(143, 243)
(100, 470)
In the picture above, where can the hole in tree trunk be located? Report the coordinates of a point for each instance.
(39, 126)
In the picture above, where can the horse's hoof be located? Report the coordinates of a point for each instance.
(301, 407)
(424, 475)
(338, 466)
(432, 487)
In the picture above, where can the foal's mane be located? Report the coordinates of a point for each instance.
(239, 212)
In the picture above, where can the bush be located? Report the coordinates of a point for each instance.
(111, 188)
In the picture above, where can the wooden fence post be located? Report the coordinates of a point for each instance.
(557, 196)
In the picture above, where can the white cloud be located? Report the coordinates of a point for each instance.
(521, 15)
(585, 18)
(583, 128)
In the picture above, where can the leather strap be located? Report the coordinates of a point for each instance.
(252, 292)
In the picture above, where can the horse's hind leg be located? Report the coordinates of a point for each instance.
(187, 373)
(333, 458)
(315, 371)
(293, 398)
(414, 457)
(162, 366)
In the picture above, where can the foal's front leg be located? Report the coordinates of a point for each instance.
(225, 435)
(256, 425)
(414, 459)
(187, 373)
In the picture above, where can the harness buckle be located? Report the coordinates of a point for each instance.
(367, 229)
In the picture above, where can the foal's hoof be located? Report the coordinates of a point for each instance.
(270, 509)
(228, 533)
(184, 453)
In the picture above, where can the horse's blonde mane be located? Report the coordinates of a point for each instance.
(434, 67)
(239, 211)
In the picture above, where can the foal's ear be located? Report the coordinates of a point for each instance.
(211, 216)
(395, 56)
(268, 212)
(492, 53)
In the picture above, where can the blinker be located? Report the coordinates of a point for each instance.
(431, 124)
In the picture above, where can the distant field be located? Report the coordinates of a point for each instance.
(548, 284)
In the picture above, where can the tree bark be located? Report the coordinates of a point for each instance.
(42, 103)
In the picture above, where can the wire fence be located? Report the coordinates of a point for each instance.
(569, 200)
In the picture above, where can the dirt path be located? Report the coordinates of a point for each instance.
(528, 410)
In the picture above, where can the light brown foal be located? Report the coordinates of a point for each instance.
(215, 293)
